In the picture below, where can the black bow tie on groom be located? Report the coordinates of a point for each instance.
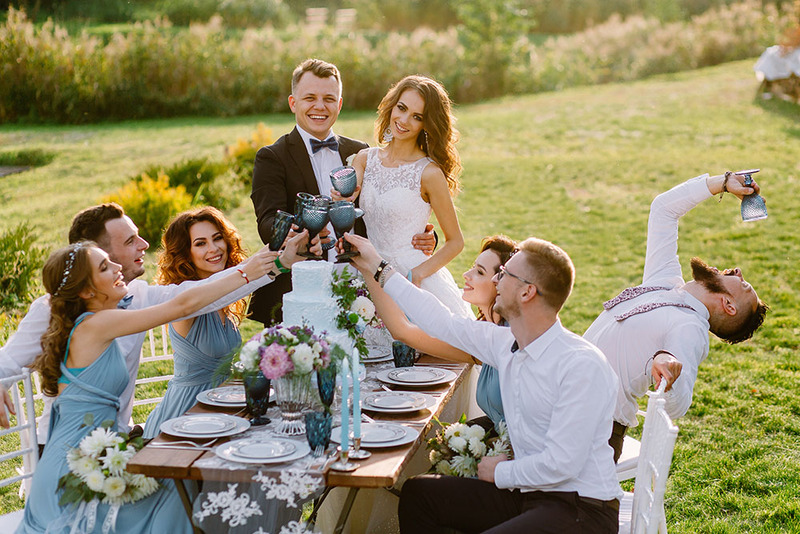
(317, 145)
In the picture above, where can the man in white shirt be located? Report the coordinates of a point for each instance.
(301, 161)
(660, 329)
(115, 233)
(558, 394)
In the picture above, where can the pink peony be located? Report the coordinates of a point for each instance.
(275, 361)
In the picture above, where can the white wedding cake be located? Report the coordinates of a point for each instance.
(312, 302)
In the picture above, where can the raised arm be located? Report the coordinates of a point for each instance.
(25, 344)
(434, 191)
(269, 190)
(404, 330)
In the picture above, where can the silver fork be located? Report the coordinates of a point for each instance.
(183, 443)
(318, 451)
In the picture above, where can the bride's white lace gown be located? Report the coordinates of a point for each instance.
(394, 212)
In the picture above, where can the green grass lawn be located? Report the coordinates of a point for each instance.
(580, 168)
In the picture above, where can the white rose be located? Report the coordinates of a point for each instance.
(249, 355)
(475, 431)
(364, 308)
(317, 348)
(114, 487)
(115, 461)
(477, 447)
(457, 444)
(303, 358)
(95, 480)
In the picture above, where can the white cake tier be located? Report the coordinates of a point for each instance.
(312, 279)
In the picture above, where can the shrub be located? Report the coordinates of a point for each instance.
(241, 156)
(151, 203)
(20, 263)
(35, 157)
(201, 178)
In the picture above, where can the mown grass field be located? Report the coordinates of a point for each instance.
(577, 167)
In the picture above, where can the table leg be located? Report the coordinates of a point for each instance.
(317, 504)
(180, 485)
(348, 505)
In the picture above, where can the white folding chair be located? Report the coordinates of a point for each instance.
(24, 425)
(159, 351)
(642, 512)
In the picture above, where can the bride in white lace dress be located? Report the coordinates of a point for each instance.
(415, 172)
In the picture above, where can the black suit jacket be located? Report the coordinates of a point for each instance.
(282, 170)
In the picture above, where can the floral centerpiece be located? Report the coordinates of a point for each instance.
(97, 473)
(288, 356)
(457, 447)
(356, 310)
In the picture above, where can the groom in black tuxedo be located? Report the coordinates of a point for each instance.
(301, 161)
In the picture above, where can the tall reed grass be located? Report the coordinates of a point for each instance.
(160, 71)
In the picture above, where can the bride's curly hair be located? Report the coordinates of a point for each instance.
(175, 256)
(66, 273)
(439, 135)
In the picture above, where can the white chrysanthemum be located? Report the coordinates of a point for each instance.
(363, 307)
(73, 457)
(115, 460)
(249, 355)
(477, 447)
(475, 431)
(95, 443)
(303, 358)
(285, 333)
(146, 485)
(502, 430)
(464, 466)
(114, 487)
(443, 468)
(85, 465)
(95, 480)
(457, 444)
(455, 429)
(434, 456)
(499, 447)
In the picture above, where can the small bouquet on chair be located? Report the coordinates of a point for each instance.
(457, 447)
(97, 474)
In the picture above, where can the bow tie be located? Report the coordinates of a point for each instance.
(317, 145)
(125, 302)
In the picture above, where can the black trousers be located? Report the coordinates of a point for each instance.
(617, 439)
(439, 504)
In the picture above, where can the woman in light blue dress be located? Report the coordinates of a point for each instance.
(479, 290)
(82, 365)
(197, 244)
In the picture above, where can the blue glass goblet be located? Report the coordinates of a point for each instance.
(256, 392)
(403, 354)
(343, 216)
(344, 180)
(303, 200)
(326, 384)
(280, 229)
(315, 220)
(318, 431)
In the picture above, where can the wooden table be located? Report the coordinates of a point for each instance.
(381, 470)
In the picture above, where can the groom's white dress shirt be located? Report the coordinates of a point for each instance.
(630, 344)
(558, 396)
(25, 344)
(323, 162)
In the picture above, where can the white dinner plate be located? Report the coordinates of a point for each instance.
(409, 435)
(416, 376)
(227, 397)
(377, 358)
(394, 401)
(262, 450)
(205, 425)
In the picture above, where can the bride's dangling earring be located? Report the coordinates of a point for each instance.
(387, 135)
(425, 139)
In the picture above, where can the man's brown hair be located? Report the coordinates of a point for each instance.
(317, 67)
(90, 224)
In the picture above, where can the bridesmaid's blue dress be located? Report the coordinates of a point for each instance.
(487, 394)
(196, 360)
(94, 390)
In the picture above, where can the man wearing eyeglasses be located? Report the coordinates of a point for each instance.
(659, 330)
(558, 394)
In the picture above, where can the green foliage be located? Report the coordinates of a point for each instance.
(33, 157)
(151, 203)
(20, 263)
(235, 13)
(203, 179)
(156, 70)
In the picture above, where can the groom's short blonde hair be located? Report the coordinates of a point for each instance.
(317, 67)
(550, 268)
